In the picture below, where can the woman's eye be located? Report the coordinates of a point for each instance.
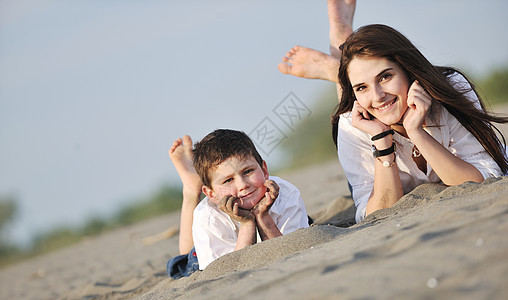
(360, 88)
(386, 76)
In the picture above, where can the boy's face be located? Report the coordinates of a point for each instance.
(243, 178)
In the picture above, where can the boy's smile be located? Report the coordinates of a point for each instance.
(241, 177)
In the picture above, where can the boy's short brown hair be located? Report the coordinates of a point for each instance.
(218, 146)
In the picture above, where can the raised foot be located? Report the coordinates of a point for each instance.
(181, 156)
(309, 63)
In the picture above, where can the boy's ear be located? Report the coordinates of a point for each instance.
(209, 193)
(265, 170)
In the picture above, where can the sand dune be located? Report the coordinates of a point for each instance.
(435, 243)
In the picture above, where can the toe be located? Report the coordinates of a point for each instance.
(287, 59)
(187, 140)
(284, 68)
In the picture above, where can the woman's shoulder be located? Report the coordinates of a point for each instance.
(457, 80)
(460, 83)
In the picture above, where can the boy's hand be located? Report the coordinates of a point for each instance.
(229, 205)
(272, 189)
(266, 226)
(267, 201)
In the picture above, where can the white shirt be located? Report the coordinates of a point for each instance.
(355, 151)
(215, 233)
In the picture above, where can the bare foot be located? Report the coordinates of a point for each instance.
(340, 16)
(309, 63)
(181, 156)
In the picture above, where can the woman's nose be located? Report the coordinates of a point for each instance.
(379, 93)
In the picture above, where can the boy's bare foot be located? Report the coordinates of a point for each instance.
(340, 16)
(309, 63)
(181, 156)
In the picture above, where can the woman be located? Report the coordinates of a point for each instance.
(402, 122)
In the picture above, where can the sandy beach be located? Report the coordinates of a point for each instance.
(435, 243)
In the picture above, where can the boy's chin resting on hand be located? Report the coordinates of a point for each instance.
(230, 205)
(261, 209)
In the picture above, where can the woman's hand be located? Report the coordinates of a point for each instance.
(363, 121)
(418, 102)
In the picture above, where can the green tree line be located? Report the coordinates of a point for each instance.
(166, 199)
(494, 86)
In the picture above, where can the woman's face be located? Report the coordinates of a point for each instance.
(380, 86)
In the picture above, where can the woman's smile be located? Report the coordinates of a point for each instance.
(386, 106)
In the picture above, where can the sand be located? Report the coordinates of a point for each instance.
(435, 243)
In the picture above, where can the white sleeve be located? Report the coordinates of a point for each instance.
(212, 236)
(288, 211)
(465, 146)
(462, 143)
(355, 156)
(460, 83)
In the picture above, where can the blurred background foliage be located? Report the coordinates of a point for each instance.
(163, 201)
(494, 86)
(308, 144)
(311, 141)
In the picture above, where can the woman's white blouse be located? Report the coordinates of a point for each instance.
(355, 151)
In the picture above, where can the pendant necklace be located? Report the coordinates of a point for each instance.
(416, 152)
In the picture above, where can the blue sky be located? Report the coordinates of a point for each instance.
(92, 93)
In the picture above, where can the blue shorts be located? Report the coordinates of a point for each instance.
(183, 265)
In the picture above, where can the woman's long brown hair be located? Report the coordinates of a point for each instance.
(385, 42)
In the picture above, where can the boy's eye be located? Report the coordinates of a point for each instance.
(247, 171)
(227, 180)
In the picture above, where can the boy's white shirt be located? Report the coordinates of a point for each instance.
(215, 233)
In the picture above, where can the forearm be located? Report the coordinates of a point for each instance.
(451, 169)
(189, 203)
(246, 235)
(267, 227)
(387, 185)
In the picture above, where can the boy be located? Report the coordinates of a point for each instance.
(241, 199)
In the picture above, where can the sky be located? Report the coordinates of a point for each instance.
(93, 93)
